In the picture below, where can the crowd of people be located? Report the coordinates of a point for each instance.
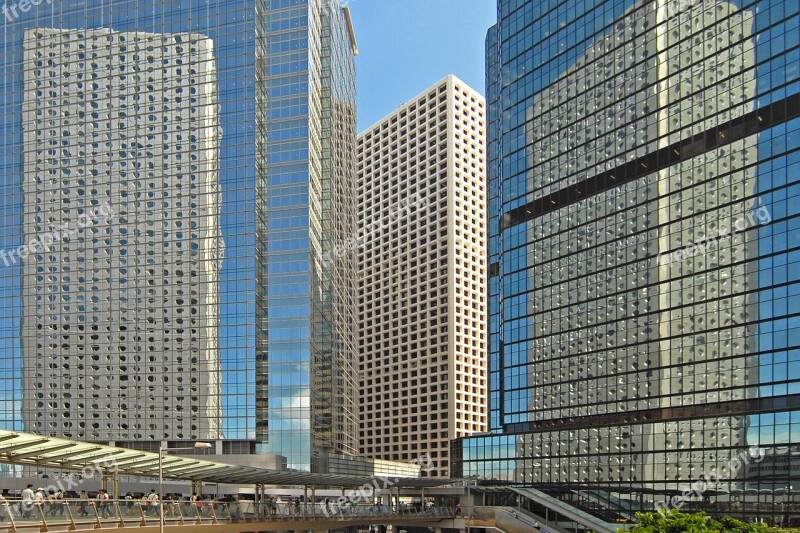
(35, 504)
(40, 503)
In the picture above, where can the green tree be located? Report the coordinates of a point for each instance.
(674, 521)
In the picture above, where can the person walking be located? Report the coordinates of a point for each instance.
(458, 509)
(104, 505)
(50, 497)
(109, 504)
(59, 502)
(152, 503)
(197, 503)
(167, 505)
(83, 504)
(4, 509)
(26, 505)
(128, 504)
(39, 501)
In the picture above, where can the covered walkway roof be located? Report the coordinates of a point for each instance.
(27, 449)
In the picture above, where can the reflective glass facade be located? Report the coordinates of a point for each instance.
(171, 150)
(644, 251)
(307, 323)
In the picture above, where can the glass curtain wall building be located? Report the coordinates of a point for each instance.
(307, 311)
(165, 165)
(644, 252)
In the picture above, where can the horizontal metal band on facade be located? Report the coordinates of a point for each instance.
(727, 133)
(666, 414)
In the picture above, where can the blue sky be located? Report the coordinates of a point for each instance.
(405, 46)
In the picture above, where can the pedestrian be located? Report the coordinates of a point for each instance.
(167, 505)
(59, 497)
(458, 509)
(50, 497)
(152, 503)
(128, 504)
(83, 504)
(26, 505)
(39, 500)
(103, 504)
(4, 510)
(176, 505)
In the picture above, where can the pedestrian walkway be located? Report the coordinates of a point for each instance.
(75, 514)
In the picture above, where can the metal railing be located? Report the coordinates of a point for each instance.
(17, 515)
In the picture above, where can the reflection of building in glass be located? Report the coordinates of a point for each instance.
(623, 132)
(282, 87)
(120, 325)
(223, 94)
(422, 255)
(307, 360)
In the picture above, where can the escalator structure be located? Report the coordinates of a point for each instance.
(512, 520)
(610, 504)
(581, 513)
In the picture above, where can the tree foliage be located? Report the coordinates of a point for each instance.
(674, 521)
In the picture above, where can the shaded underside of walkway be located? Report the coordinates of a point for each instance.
(241, 525)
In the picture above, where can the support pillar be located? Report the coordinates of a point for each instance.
(314, 500)
(257, 500)
(264, 500)
(116, 485)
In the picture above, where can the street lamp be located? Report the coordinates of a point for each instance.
(161, 452)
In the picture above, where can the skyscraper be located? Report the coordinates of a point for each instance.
(306, 319)
(422, 269)
(221, 130)
(640, 242)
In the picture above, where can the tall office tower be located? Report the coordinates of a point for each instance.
(307, 362)
(196, 124)
(422, 268)
(642, 247)
(120, 302)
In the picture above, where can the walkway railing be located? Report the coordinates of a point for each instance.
(74, 514)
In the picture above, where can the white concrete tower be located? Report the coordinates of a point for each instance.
(422, 265)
